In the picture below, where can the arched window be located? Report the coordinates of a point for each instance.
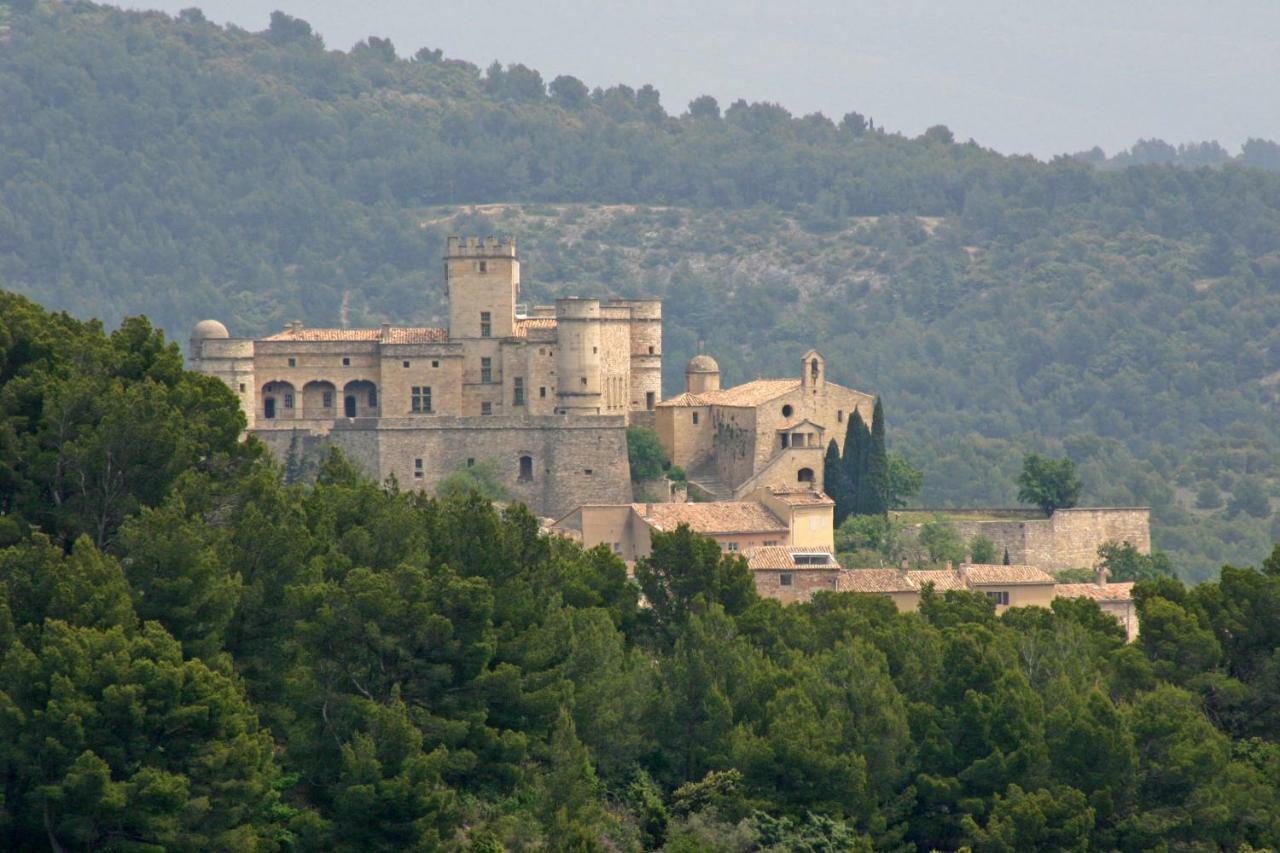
(813, 368)
(804, 475)
(526, 469)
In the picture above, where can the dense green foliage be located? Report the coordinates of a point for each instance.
(645, 453)
(243, 663)
(1049, 484)
(1125, 317)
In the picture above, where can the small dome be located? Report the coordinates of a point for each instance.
(209, 329)
(702, 364)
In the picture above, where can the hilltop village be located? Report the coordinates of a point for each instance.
(543, 396)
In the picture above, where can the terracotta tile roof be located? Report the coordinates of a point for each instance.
(784, 557)
(326, 335)
(1119, 591)
(524, 325)
(875, 580)
(713, 517)
(942, 579)
(751, 393)
(395, 335)
(801, 497)
(794, 424)
(981, 574)
(418, 335)
(684, 398)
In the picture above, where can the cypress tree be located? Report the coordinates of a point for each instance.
(1006, 555)
(873, 494)
(854, 462)
(833, 481)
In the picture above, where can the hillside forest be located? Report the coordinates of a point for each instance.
(1121, 311)
(197, 655)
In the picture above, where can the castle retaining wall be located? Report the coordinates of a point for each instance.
(1069, 539)
(572, 461)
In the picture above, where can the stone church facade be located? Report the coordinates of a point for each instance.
(543, 395)
(764, 433)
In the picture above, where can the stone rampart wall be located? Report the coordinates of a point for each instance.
(1069, 539)
(573, 461)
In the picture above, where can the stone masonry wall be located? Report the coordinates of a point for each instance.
(1069, 539)
(574, 461)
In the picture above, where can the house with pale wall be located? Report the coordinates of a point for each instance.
(1006, 586)
(784, 532)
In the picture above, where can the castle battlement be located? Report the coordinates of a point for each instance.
(475, 247)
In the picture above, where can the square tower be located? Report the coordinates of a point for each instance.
(483, 281)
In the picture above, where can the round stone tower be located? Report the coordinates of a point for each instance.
(212, 351)
(578, 356)
(646, 352)
(702, 374)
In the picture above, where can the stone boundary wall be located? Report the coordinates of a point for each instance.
(1069, 539)
(574, 461)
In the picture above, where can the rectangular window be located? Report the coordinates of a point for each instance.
(732, 547)
(517, 398)
(486, 370)
(839, 416)
(241, 387)
(433, 364)
(406, 364)
(346, 362)
(486, 324)
(784, 579)
(373, 398)
(293, 362)
(288, 401)
(417, 469)
(768, 542)
(421, 399)
(486, 408)
(648, 400)
(326, 400)
(1001, 597)
(695, 418)
(542, 392)
(484, 266)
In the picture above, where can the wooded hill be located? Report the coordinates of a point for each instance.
(196, 655)
(1126, 317)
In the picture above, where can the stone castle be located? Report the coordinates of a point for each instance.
(544, 395)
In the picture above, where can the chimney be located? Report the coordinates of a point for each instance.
(904, 566)
(1100, 575)
(386, 332)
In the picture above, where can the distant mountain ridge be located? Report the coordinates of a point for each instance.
(1126, 316)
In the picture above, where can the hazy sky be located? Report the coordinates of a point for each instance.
(1022, 76)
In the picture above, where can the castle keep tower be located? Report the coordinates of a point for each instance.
(483, 282)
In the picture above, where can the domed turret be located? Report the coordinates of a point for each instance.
(702, 374)
(207, 329)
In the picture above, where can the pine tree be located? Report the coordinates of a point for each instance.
(833, 481)
(854, 462)
(873, 488)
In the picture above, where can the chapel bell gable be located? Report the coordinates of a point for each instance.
(813, 371)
